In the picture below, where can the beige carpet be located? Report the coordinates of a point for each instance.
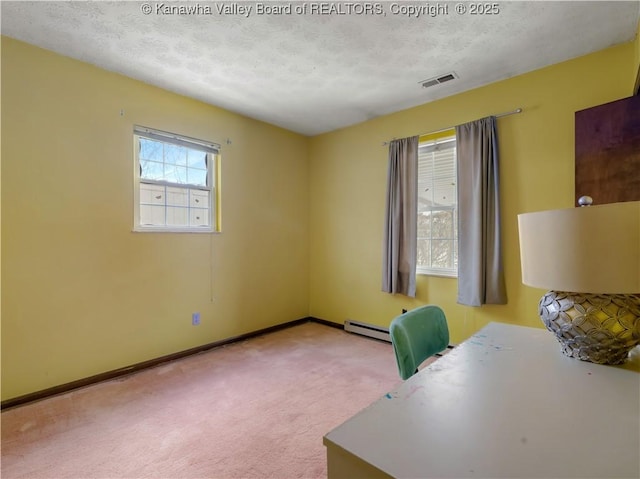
(255, 409)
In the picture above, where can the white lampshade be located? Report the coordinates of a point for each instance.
(590, 249)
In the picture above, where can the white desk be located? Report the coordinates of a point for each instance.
(505, 403)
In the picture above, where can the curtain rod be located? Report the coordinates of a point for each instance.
(517, 110)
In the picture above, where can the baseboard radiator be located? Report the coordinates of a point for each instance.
(369, 330)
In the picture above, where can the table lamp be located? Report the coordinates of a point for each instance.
(589, 259)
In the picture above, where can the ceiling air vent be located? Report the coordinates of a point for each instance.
(437, 80)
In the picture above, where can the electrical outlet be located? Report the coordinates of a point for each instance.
(195, 319)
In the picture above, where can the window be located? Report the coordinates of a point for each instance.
(437, 206)
(176, 180)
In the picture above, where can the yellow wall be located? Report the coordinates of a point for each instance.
(348, 171)
(81, 293)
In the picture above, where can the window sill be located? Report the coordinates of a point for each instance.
(175, 230)
(437, 274)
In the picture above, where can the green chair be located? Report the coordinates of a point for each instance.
(417, 335)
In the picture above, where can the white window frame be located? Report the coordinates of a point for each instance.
(425, 160)
(212, 151)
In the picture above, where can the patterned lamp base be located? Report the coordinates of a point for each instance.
(600, 328)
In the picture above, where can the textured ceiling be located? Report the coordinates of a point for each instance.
(319, 71)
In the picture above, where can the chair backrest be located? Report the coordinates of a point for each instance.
(417, 335)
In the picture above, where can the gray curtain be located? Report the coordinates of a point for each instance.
(401, 223)
(480, 270)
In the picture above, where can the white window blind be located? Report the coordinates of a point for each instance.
(437, 207)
